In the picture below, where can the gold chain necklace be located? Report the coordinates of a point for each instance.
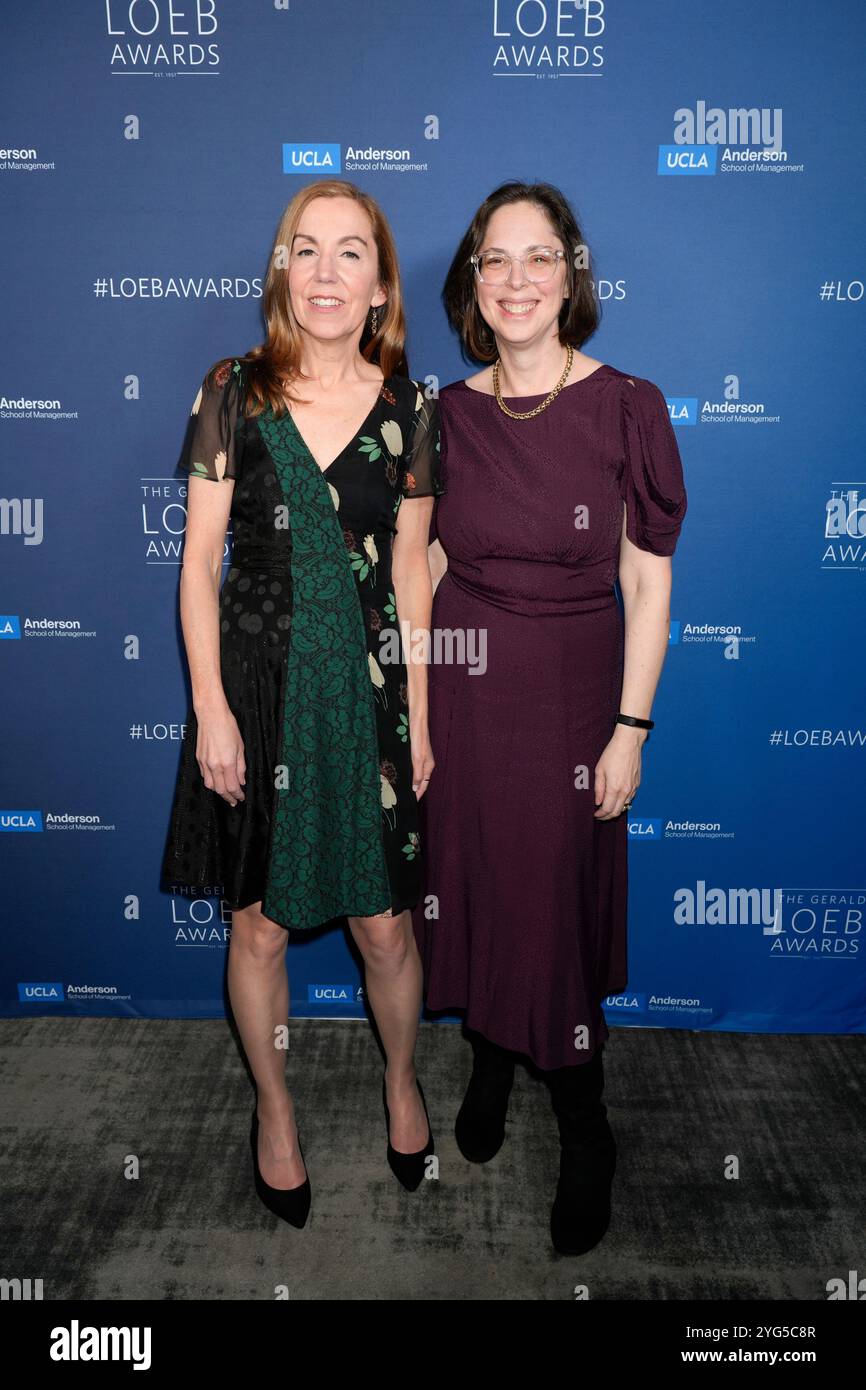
(528, 414)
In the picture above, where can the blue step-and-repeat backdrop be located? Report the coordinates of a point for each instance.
(711, 153)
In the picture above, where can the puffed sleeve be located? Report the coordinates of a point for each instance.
(213, 447)
(652, 480)
(422, 468)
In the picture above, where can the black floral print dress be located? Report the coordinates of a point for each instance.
(311, 663)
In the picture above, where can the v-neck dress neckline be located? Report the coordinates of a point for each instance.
(363, 425)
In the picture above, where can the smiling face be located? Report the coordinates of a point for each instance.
(522, 311)
(334, 269)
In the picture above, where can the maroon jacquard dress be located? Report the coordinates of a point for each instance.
(523, 923)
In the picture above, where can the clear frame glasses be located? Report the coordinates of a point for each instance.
(494, 267)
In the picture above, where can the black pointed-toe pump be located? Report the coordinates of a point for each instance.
(291, 1204)
(408, 1169)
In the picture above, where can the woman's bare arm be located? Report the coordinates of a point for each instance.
(645, 582)
(413, 594)
(220, 749)
(438, 562)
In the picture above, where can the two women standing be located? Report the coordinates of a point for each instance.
(307, 761)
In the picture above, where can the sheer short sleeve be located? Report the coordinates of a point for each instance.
(212, 448)
(422, 466)
(652, 481)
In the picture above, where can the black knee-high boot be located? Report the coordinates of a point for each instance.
(580, 1214)
(480, 1125)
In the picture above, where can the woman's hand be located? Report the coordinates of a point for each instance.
(220, 754)
(617, 772)
(423, 761)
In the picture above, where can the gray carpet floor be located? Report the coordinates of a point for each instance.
(85, 1101)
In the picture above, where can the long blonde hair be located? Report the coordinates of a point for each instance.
(275, 363)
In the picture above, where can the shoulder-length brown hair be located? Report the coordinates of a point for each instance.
(581, 312)
(271, 369)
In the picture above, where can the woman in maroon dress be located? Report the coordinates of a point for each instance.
(564, 476)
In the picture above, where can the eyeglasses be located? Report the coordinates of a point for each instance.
(494, 267)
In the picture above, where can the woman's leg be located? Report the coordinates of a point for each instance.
(392, 983)
(581, 1210)
(480, 1124)
(259, 991)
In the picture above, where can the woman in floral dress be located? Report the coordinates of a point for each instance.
(306, 748)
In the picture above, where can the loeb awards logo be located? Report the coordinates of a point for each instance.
(163, 519)
(548, 38)
(845, 527)
(161, 37)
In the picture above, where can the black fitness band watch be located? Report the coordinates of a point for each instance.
(636, 723)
